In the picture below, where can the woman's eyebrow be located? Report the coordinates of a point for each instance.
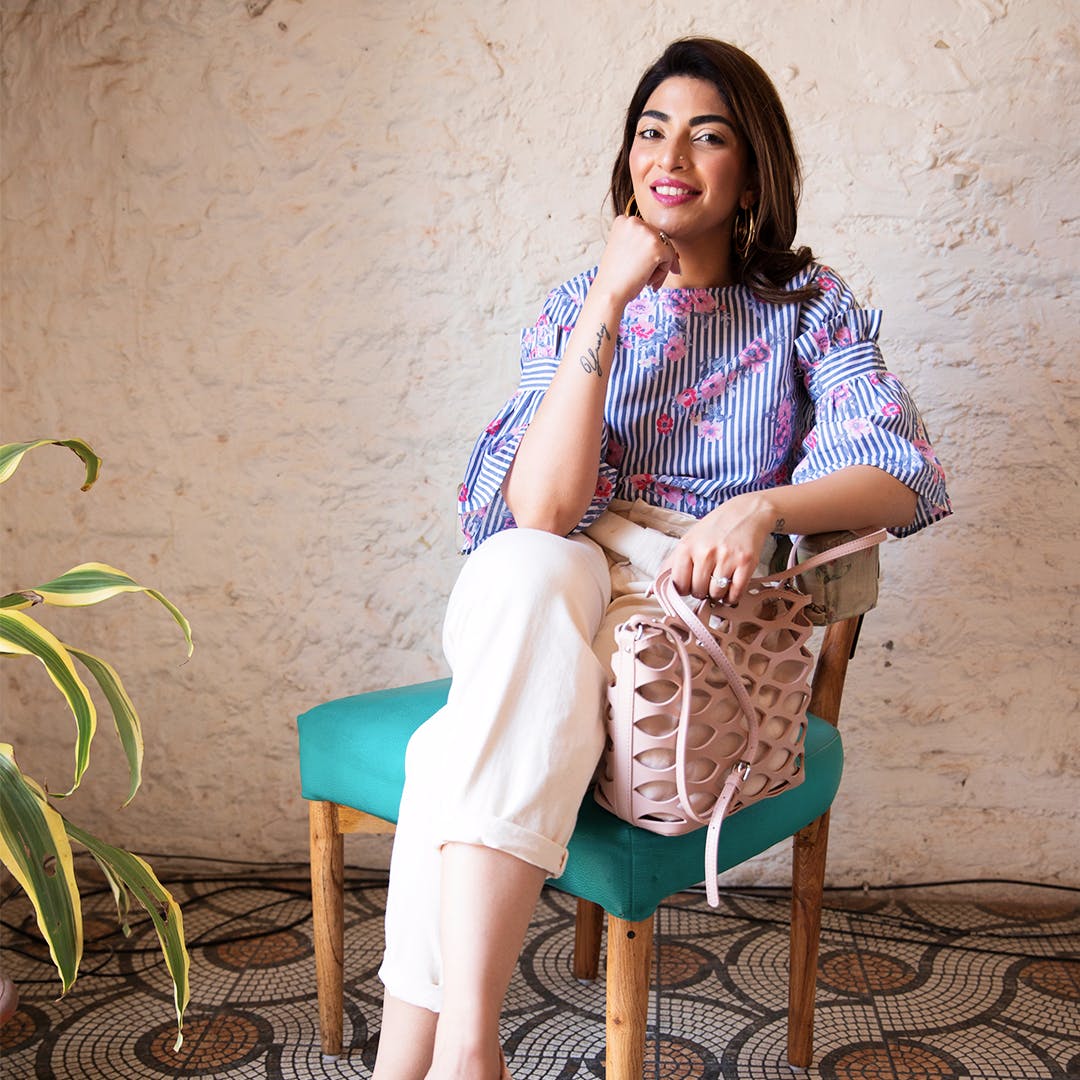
(708, 118)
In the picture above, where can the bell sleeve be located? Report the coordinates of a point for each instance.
(482, 509)
(858, 412)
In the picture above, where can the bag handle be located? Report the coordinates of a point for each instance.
(674, 604)
(739, 774)
(706, 640)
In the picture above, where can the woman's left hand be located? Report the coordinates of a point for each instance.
(726, 543)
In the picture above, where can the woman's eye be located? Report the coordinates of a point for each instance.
(712, 138)
(648, 133)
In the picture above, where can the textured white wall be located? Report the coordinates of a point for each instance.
(273, 267)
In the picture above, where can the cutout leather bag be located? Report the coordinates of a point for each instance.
(707, 711)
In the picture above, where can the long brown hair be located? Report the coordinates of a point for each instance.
(763, 126)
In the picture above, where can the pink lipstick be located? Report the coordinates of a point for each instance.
(671, 192)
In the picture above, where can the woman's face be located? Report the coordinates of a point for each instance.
(689, 167)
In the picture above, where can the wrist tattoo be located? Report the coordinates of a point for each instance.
(780, 526)
(591, 360)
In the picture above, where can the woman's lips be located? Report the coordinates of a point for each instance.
(673, 193)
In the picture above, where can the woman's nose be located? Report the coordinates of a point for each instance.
(674, 156)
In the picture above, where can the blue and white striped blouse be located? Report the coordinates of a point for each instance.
(714, 393)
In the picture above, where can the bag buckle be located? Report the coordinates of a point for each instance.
(742, 769)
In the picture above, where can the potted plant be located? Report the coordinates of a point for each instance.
(35, 837)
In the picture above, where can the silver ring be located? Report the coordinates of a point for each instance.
(718, 581)
(664, 238)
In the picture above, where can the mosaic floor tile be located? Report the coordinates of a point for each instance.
(908, 989)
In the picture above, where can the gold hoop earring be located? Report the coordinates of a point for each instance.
(742, 236)
(631, 208)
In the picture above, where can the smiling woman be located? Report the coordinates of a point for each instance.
(752, 116)
(705, 387)
(691, 175)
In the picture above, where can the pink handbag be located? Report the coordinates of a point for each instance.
(707, 711)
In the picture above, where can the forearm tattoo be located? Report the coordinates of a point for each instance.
(780, 525)
(591, 360)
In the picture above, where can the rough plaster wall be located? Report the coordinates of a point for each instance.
(274, 267)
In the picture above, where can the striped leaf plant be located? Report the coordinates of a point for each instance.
(35, 837)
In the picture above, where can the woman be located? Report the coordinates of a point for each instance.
(702, 389)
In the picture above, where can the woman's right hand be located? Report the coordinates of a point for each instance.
(635, 256)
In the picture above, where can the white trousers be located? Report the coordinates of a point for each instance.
(505, 764)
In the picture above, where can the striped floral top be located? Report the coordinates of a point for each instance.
(714, 393)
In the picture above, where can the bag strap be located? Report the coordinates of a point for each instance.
(706, 640)
(674, 604)
(864, 538)
(678, 608)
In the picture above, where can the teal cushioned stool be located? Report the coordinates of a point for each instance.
(627, 871)
(352, 769)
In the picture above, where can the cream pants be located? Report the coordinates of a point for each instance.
(529, 635)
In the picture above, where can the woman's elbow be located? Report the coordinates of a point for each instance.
(901, 507)
(549, 511)
(544, 516)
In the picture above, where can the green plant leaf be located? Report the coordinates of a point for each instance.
(91, 583)
(22, 636)
(126, 719)
(134, 874)
(35, 848)
(121, 897)
(11, 454)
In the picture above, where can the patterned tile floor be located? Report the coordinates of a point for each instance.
(908, 989)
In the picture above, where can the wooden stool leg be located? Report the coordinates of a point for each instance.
(628, 958)
(328, 912)
(807, 885)
(588, 929)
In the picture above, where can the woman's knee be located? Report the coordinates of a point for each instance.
(523, 584)
(532, 563)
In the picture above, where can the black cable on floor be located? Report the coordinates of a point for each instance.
(867, 887)
(932, 932)
(269, 879)
(189, 904)
(269, 867)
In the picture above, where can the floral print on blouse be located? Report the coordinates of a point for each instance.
(714, 393)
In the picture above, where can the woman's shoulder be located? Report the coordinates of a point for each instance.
(562, 305)
(574, 289)
(833, 296)
(563, 302)
(817, 275)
